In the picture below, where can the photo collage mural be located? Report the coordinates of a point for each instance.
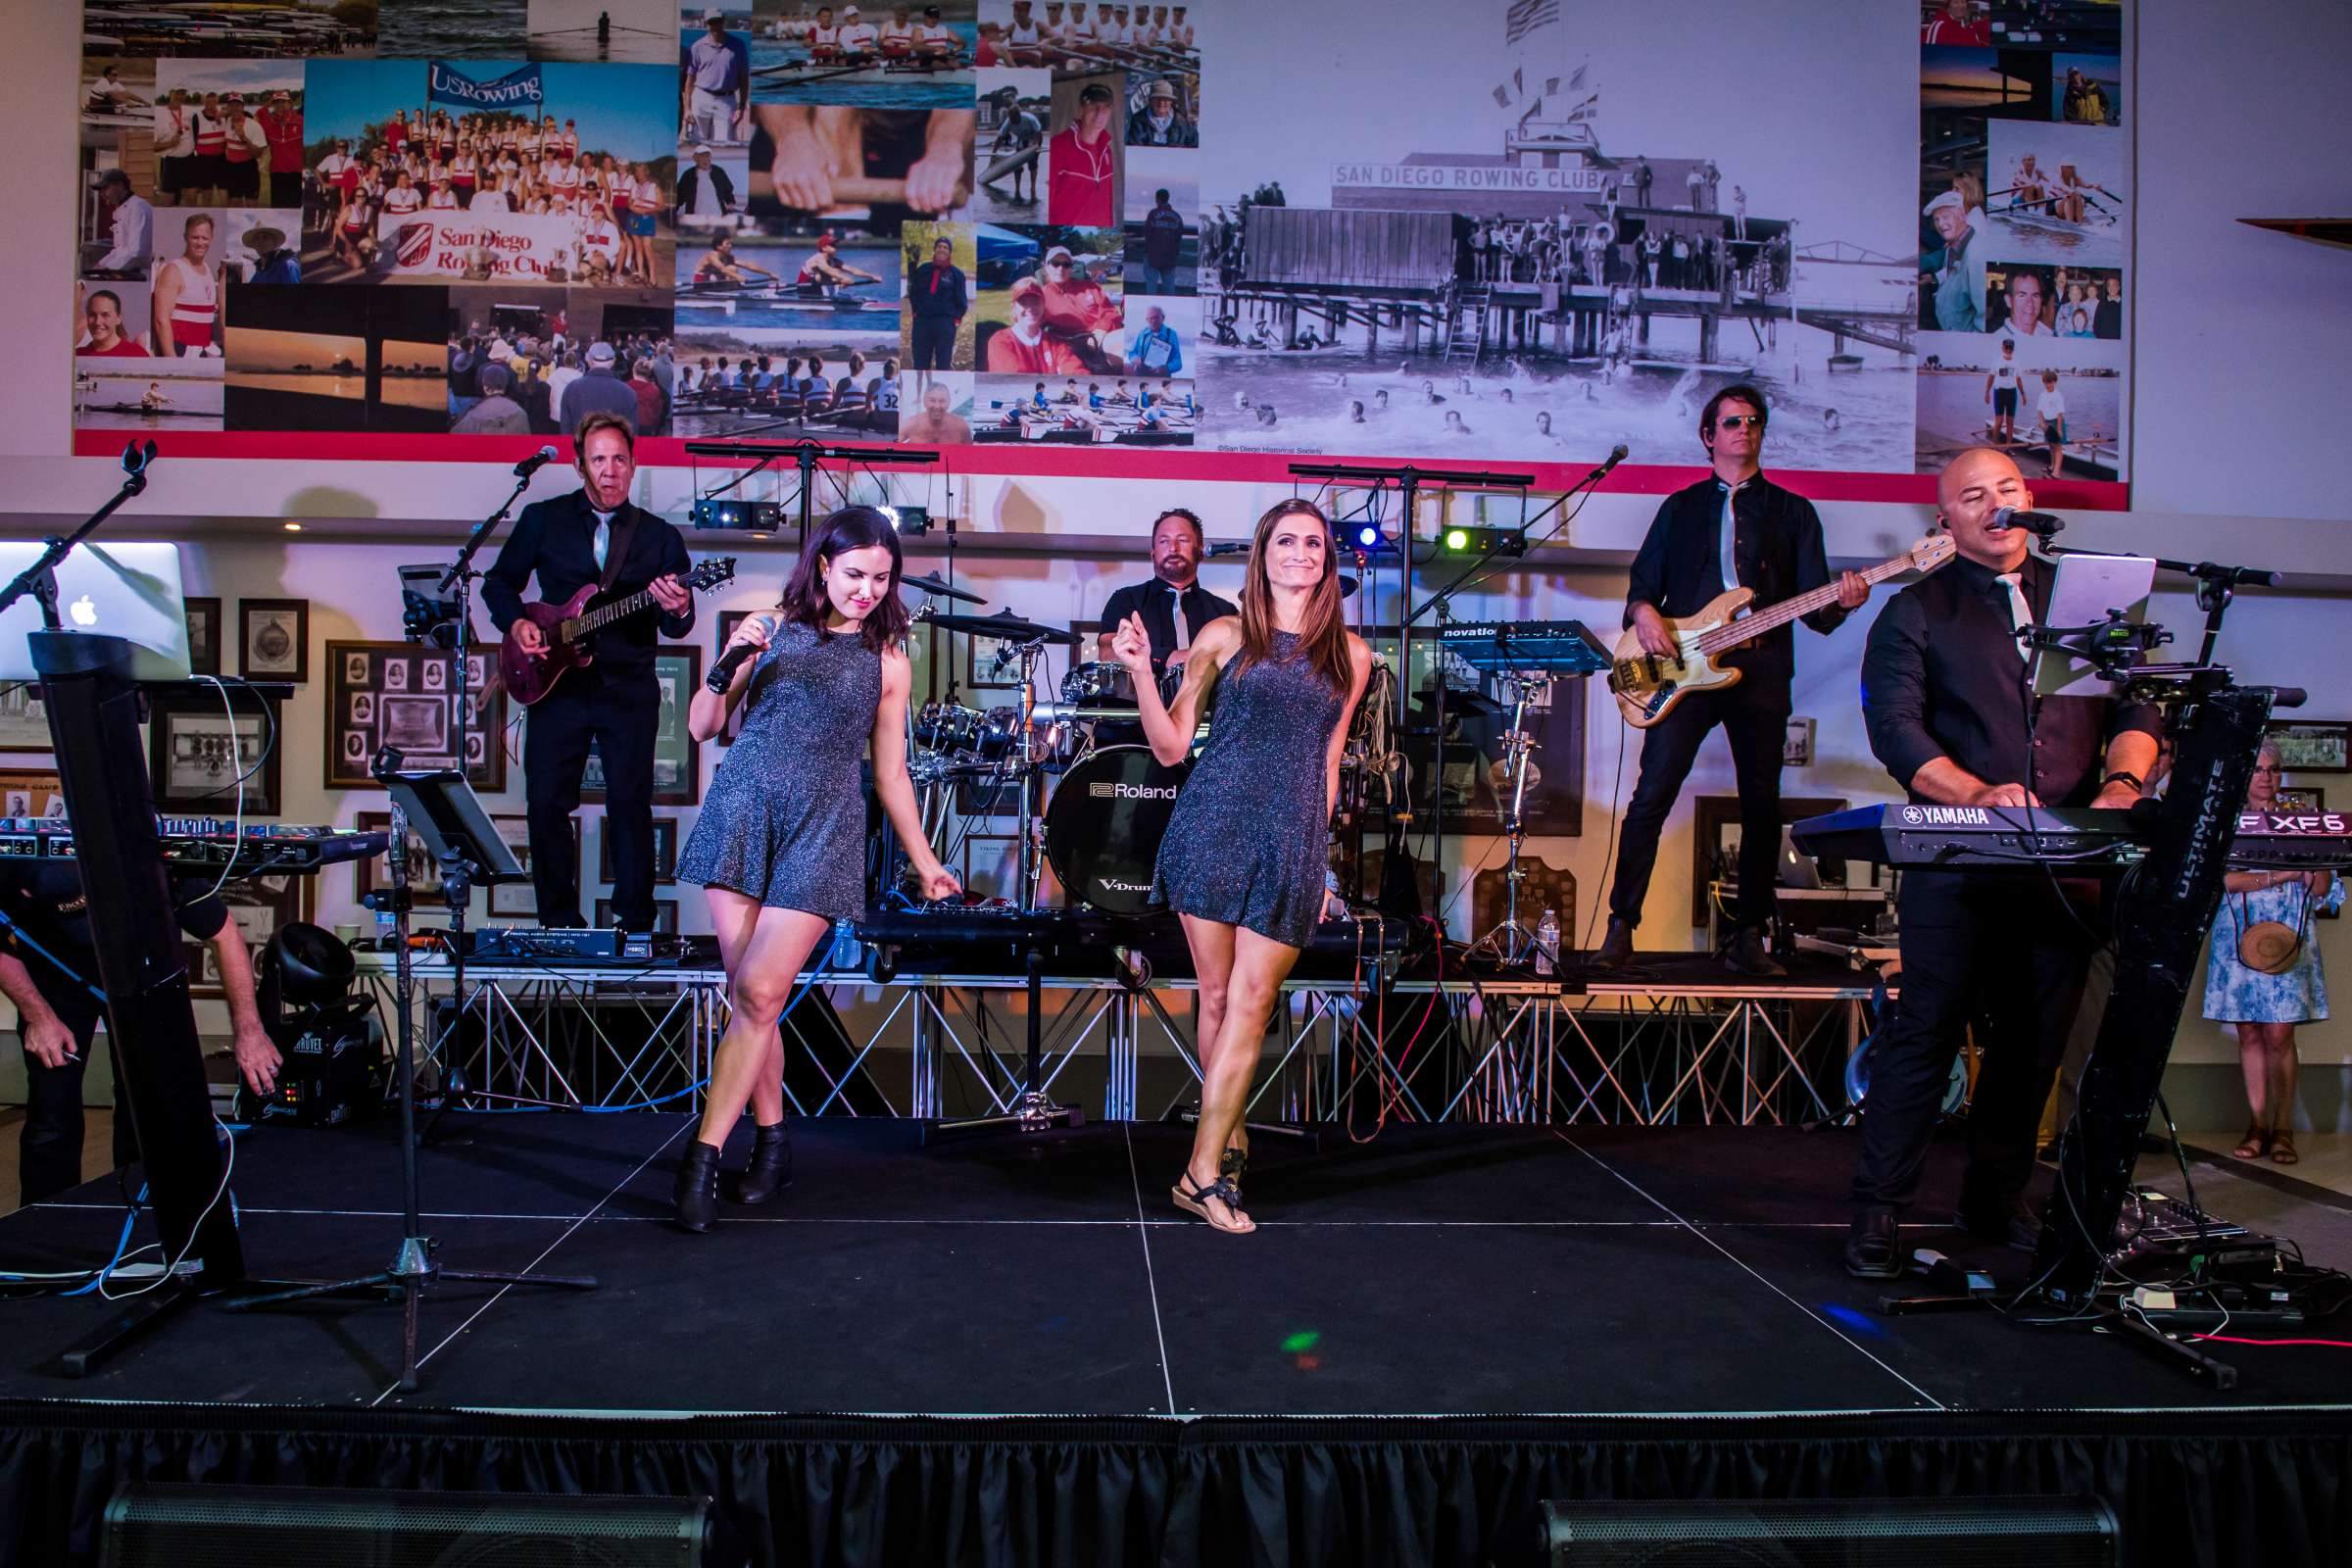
(1514, 231)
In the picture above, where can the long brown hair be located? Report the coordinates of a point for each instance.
(1323, 639)
(850, 528)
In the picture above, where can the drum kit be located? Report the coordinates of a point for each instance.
(1099, 823)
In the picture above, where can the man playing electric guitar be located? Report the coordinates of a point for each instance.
(593, 535)
(1733, 529)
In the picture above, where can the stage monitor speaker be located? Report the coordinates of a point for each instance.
(1858, 1533)
(157, 1525)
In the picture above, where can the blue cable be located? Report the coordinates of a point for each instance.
(62, 967)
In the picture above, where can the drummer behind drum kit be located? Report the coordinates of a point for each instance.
(1100, 829)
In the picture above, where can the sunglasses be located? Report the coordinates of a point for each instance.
(1734, 421)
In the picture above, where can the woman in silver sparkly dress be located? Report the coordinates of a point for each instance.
(1243, 858)
(779, 847)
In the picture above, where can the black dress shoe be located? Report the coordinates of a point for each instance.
(1616, 949)
(697, 1192)
(1871, 1245)
(2008, 1220)
(770, 1171)
(1745, 954)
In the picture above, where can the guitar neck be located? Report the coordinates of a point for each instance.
(594, 620)
(1750, 627)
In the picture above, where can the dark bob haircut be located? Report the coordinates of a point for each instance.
(850, 528)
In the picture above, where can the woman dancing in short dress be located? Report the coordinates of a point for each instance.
(780, 845)
(1243, 858)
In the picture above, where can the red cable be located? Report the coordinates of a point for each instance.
(2231, 1339)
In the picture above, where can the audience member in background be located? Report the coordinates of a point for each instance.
(649, 397)
(598, 390)
(2263, 974)
(497, 414)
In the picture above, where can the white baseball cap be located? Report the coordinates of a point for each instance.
(1950, 198)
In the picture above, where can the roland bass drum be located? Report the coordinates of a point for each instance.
(1104, 822)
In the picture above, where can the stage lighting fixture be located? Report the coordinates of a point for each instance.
(1369, 537)
(752, 517)
(1485, 541)
(909, 519)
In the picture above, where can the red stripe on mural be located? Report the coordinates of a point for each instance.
(1033, 460)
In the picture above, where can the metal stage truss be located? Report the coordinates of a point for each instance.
(612, 1037)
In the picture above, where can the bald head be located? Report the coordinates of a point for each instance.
(1972, 487)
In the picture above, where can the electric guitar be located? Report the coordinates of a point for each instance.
(567, 626)
(1648, 685)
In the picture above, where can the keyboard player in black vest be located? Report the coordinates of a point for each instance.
(1947, 698)
(1735, 528)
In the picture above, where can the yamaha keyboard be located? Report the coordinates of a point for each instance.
(207, 844)
(1968, 838)
(1548, 646)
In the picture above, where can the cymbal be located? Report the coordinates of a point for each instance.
(1004, 629)
(1348, 587)
(935, 584)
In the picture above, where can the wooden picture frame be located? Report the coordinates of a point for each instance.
(396, 693)
(193, 761)
(665, 851)
(666, 916)
(978, 654)
(2301, 798)
(1712, 813)
(25, 718)
(273, 639)
(204, 636)
(31, 792)
(2314, 746)
(678, 757)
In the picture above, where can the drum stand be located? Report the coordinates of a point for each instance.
(1512, 940)
(1032, 1110)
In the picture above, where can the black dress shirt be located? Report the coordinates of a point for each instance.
(1777, 551)
(44, 902)
(1156, 601)
(1942, 678)
(558, 540)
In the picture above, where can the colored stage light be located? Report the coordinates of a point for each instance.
(1475, 541)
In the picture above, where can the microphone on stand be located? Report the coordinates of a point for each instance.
(1616, 455)
(723, 673)
(2043, 523)
(534, 462)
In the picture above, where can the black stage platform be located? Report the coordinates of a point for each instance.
(1504, 1316)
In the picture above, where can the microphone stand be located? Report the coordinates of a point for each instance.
(39, 579)
(2217, 587)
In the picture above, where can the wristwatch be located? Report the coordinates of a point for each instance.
(2121, 777)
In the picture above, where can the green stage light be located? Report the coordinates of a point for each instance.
(1473, 541)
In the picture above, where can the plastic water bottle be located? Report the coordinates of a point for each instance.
(387, 928)
(1548, 941)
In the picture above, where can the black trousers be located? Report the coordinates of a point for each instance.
(1754, 715)
(49, 1155)
(619, 714)
(2006, 954)
(934, 342)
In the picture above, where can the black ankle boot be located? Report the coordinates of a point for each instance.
(770, 1170)
(697, 1192)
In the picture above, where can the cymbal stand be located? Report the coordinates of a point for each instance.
(1512, 940)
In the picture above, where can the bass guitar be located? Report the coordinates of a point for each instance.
(1648, 685)
(567, 626)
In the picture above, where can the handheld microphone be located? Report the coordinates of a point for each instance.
(1227, 546)
(2043, 523)
(1616, 455)
(534, 462)
(723, 673)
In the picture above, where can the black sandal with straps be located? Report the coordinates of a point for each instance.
(1196, 1201)
(1233, 1164)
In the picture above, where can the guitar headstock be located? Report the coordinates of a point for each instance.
(1933, 550)
(711, 574)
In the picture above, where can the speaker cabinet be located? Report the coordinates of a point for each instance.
(1865, 1532)
(153, 1524)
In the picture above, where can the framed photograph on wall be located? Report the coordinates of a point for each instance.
(2302, 798)
(980, 671)
(666, 916)
(31, 792)
(2314, 746)
(200, 757)
(273, 639)
(677, 759)
(23, 718)
(424, 877)
(377, 695)
(666, 849)
(204, 636)
(520, 900)
(260, 905)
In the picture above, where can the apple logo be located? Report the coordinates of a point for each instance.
(84, 612)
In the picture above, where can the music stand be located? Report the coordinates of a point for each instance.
(450, 819)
